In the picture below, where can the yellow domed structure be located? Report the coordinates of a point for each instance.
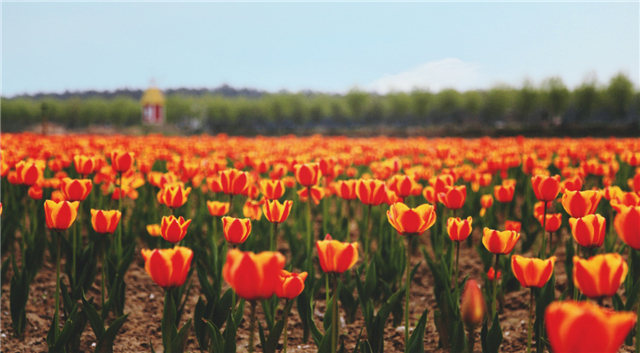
(152, 106)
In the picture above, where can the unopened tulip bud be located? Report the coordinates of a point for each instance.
(473, 307)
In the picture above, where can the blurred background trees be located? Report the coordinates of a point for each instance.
(225, 109)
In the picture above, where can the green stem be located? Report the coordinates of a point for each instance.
(309, 231)
(543, 248)
(456, 278)
(366, 235)
(104, 271)
(274, 231)
(471, 339)
(57, 294)
(252, 325)
(326, 288)
(334, 326)
(230, 205)
(531, 305)
(286, 328)
(214, 244)
(494, 302)
(406, 297)
(638, 323)
(167, 337)
(119, 238)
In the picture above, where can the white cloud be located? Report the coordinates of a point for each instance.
(433, 76)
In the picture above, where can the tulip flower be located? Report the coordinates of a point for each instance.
(317, 193)
(252, 210)
(253, 276)
(546, 188)
(277, 212)
(429, 193)
(486, 201)
(346, 189)
(105, 222)
(440, 182)
(60, 215)
(233, 181)
(402, 185)
(588, 231)
(473, 310)
(599, 276)
(552, 223)
(504, 192)
(371, 192)
(411, 221)
(76, 189)
(272, 189)
(335, 256)
(154, 230)
(627, 224)
(625, 199)
(174, 195)
(459, 229)
(571, 184)
(579, 327)
(532, 272)
(84, 164)
(290, 285)
(121, 161)
(307, 174)
(217, 208)
(28, 173)
(498, 243)
(168, 268)
(491, 274)
(513, 225)
(35, 192)
(174, 230)
(581, 203)
(453, 197)
(236, 230)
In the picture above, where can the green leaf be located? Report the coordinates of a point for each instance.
(180, 341)
(274, 336)
(416, 341)
(222, 308)
(370, 279)
(494, 336)
(458, 341)
(239, 313)
(67, 329)
(632, 296)
(263, 339)
(94, 318)
(217, 340)
(230, 334)
(325, 344)
(168, 318)
(105, 344)
(205, 285)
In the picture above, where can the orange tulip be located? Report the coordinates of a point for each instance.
(429, 193)
(317, 193)
(121, 161)
(277, 212)
(272, 189)
(599, 276)
(392, 198)
(28, 173)
(499, 242)
(513, 225)
(589, 230)
(168, 268)
(581, 203)
(57, 196)
(459, 229)
(173, 230)
(546, 188)
(491, 274)
(105, 222)
(371, 192)
(504, 192)
(252, 209)
(236, 230)
(307, 174)
(571, 184)
(453, 197)
(76, 189)
(486, 201)
(60, 215)
(335, 256)
(532, 272)
(217, 208)
(625, 199)
(253, 276)
(411, 221)
(154, 230)
(290, 285)
(35, 192)
(346, 189)
(440, 182)
(553, 223)
(402, 185)
(579, 327)
(611, 192)
(627, 224)
(473, 307)
(84, 164)
(174, 195)
(233, 181)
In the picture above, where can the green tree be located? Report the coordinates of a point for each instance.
(619, 96)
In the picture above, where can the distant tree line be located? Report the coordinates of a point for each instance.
(233, 111)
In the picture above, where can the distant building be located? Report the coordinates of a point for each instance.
(153, 106)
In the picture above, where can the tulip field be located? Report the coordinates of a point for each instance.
(319, 244)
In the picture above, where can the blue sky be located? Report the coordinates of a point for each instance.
(332, 47)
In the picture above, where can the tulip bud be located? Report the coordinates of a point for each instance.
(473, 307)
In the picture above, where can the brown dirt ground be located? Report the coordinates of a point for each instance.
(145, 302)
